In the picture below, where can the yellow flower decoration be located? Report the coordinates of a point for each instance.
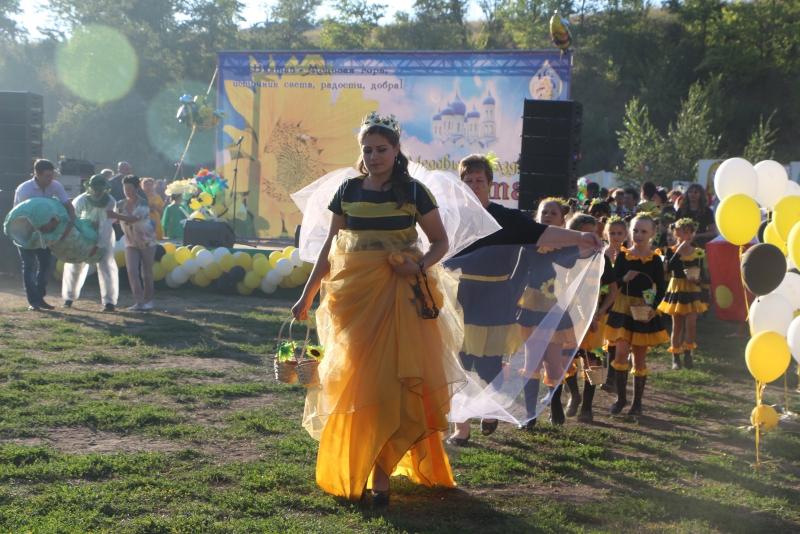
(551, 289)
(292, 136)
(316, 351)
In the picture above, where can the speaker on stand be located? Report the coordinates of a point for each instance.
(549, 151)
(21, 133)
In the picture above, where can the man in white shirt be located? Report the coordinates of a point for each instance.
(37, 265)
(93, 206)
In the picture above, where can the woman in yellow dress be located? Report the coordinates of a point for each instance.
(388, 323)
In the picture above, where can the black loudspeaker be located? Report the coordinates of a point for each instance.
(9, 256)
(549, 151)
(21, 136)
(76, 167)
(210, 234)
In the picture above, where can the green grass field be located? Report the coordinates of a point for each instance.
(168, 422)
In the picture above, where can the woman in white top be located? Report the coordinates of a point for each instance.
(140, 241)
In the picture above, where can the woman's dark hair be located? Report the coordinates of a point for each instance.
(400, 179)
(648, 190)
(685, 206)
(599, 209)
(476, 162)
(662, 195)
(131, 179)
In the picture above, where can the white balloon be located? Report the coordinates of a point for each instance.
(294, 257)
(190, 266)
(793, 337)
(92, 269)
(268, 288)
(119, 245)
(772, 180)
(771, 313)
(790, 288)
(179, 275)
(284, 267)
(204, 259)
(736, 176)
(219, 252)
(274, 277)
(792, 189)
(170, 282)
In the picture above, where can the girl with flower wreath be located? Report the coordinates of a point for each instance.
(638, 270)
(539, 297)
(616, 233)
(684, 299)
(592, 342)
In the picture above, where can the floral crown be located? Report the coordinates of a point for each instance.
(389, 122)
(596, 201)
(616, 219)
(492, 160)
(556, 200)
(686, 221)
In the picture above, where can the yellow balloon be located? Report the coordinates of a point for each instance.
(283, 284)
(252, 280)
(205, 199)
(738, 218)
(60, 264)
(196, 249)
(764, 416)
(243, 289)
(243, 259)
(169, 262)
(786, 215)
(195, 204)
(274, 257)
(793, 243)
(261, 266)
(771, 236)
(724, 297)
(212, 271)
(201, 279)
(259, 255)
(182, 254)
(119, 257)
(159, 272)
(298, 276)
(197, 216)
(227, 262)
(288, 251)
(307, 267)
(169, 248)
(767, 356)
(57, 275)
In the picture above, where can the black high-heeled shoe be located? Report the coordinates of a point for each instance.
(380, 498)
(458, 442)
(487, 429)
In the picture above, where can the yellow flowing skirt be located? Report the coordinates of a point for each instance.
(388, 375)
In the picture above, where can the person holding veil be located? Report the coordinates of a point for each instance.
(388, 321)
(491, 338)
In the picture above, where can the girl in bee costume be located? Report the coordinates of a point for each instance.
(684, 298)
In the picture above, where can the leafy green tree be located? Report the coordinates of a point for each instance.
(352, 28)
(9, 29)
(759, 146)
(291, 21)
(641, 142)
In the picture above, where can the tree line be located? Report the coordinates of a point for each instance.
(662, 84)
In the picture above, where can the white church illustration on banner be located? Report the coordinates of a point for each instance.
(454, 126)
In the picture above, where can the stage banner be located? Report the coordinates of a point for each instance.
(297, 115)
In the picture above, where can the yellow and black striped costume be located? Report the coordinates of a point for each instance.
(683, 297)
